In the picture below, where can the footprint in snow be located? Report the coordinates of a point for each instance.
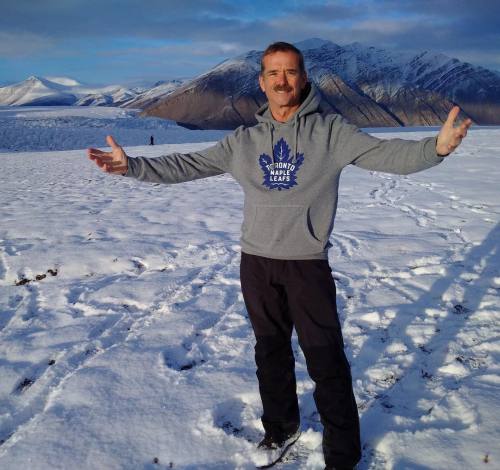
(180, 359)
(234, 416)
(139, 266)
(24, 384)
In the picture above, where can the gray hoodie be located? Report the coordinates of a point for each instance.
(290, 174)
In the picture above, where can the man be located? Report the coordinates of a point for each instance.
(289, 165)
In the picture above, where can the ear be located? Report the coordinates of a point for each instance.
(261, 83)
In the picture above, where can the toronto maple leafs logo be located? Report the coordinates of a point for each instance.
(280, 172)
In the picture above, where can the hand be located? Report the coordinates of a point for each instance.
(449, 137)
(114, 162)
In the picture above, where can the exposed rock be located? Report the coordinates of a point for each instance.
(370, 87)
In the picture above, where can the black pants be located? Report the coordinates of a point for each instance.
(280, 295)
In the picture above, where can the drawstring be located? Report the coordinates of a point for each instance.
(271, 154)
(296, 143)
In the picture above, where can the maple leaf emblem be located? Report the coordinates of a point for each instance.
(280, 172)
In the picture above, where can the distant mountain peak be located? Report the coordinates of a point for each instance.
(34, 78)
(57, 91)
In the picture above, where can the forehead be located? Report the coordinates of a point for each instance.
(281, 59)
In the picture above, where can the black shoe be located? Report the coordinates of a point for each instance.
(339, 468)
(273, 448)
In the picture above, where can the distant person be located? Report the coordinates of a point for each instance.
(151, 140)
(289, 166)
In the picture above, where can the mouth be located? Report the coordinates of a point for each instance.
(282, 90)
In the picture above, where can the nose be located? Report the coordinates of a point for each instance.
(281, 78)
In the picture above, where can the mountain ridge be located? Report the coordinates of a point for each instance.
(370, 86)
(64, 91)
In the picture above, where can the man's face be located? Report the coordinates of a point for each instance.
(282, 80)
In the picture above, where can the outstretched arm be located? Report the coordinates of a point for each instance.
(399, 156)
(169, 169)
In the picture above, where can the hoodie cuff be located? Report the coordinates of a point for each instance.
(430, 153)
(131, 164)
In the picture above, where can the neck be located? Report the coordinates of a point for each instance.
(283, 113)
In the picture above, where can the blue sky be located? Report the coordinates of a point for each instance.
(129, 41)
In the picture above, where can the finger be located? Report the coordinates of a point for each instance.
(103, 158)
(466, 124)
(112, 163)
(118, 170)
(97, 153)
(106, 163)
(111, 142)
(462, 131)
(114, 169)
(452, 116)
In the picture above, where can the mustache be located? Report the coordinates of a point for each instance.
(282, 88)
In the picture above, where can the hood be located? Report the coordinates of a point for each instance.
(310, 104)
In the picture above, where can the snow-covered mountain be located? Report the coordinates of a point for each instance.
(222, 98)
(63, 91)
(109, 96)
(37, 91)
(150, 96)
(367, 85)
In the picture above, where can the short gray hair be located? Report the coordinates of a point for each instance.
(282, 47)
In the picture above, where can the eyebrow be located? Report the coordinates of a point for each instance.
(287, 70)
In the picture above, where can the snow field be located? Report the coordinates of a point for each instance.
(136, 345)
(73, 127)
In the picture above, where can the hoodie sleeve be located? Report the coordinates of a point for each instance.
(181, 167)
(398, 156)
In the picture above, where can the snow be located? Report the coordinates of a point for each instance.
(136, 345)
(54, 91)
(73, 127)
(160, 90)
(60, 91)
